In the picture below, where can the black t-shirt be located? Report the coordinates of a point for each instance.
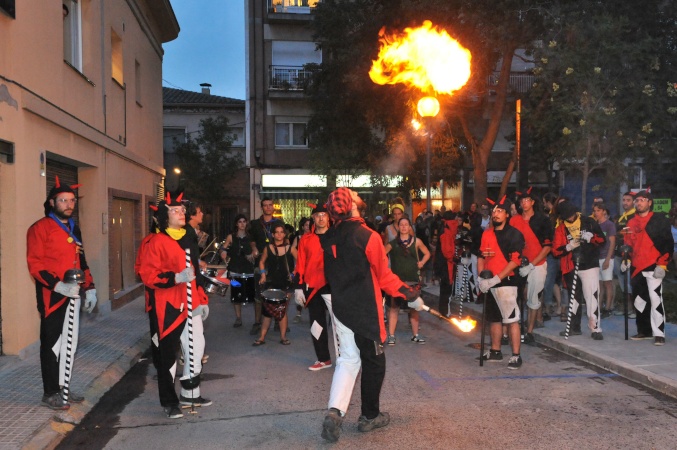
(261, 232)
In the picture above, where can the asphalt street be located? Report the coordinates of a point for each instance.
(436, 394)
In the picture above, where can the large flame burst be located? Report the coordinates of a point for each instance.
(425, 57)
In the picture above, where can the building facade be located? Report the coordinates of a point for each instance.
(182, 113)
(81, 98)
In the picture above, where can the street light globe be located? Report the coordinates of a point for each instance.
(428, 107)
(177, 170)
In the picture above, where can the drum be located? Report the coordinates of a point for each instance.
(246, 291)
(274, 303)
(275, 296)
(216, 280)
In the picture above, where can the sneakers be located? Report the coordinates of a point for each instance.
(238, 323)
(364, 424)
(632, 315)
(658, 340)
(55, 402)
(197, 401)
(297, 318)
(640, 337)
(255, 329)
(73, 397)
(505, 340)
(606, 313)
(539, 324)
(515, 362)
(319, 365)
(418, 339)
(546, 317)
(391, 340)
(571, 333)
(619, 312)
(173, 412)
(597, 336)
(491, 356)
(331, 426)
(529, 339)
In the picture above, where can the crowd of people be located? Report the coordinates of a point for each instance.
(530, 256)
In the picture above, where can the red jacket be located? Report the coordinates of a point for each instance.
(50, 252)
(159, 260)
(448, 245)
(310, 263)
(651, 241)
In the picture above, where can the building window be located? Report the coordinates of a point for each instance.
(116, 58)
(72, 33)
(290, 134)
(137, 81)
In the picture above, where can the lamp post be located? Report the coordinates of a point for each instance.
(428, 107)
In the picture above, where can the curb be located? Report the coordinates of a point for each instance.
(650, 380)
(49, 435)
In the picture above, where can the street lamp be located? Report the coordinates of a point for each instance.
(428, 108)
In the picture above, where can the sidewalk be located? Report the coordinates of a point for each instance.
(639, 361)
(107, 348)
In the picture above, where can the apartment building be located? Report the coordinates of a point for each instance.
(81, 98)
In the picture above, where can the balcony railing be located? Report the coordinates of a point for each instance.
(519, 82)
(289, 78)
(292, 6)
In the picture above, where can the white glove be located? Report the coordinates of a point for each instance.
(573, 244)
(526, 270)
(466, 261)
(185, 276)
(659, 273)
(416, 304)
(204, 311)
(586, 236)
(90, 300)
(71, 290)
(624, 266)
(485, 284)
(300, 297)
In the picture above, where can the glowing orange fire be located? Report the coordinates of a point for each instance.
(465, 325)
(425, 57)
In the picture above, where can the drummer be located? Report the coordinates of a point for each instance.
(237, 251)
(276, 266)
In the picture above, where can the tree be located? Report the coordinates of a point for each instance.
(208, 160)
(361, 127)
(601, 98)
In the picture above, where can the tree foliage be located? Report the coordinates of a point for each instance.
(602, 96)
(208, 160)
(361, 127)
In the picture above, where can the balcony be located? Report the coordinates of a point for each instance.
(290, 10)
(288, 78)
(519, 82)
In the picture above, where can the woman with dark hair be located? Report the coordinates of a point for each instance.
(237, 251)
(406, 264)
(276, 265)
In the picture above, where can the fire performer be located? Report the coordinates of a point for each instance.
(312, 290)
(356, 268)
(576, 242)
(163, 269)
(537, 232)
(444, 260)
(501, 249)
(54, 245)
(650, 237)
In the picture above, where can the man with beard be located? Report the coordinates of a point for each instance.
(576, 243)
(312, 290)
(54, 245)
(357, 270)
(501, 252)
(627, 203)
(537, 232)
(650, 237)
(163, 270)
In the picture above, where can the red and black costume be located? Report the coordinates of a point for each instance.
(51, 251)
(651, 241)
(444, 263)
(310, 275)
